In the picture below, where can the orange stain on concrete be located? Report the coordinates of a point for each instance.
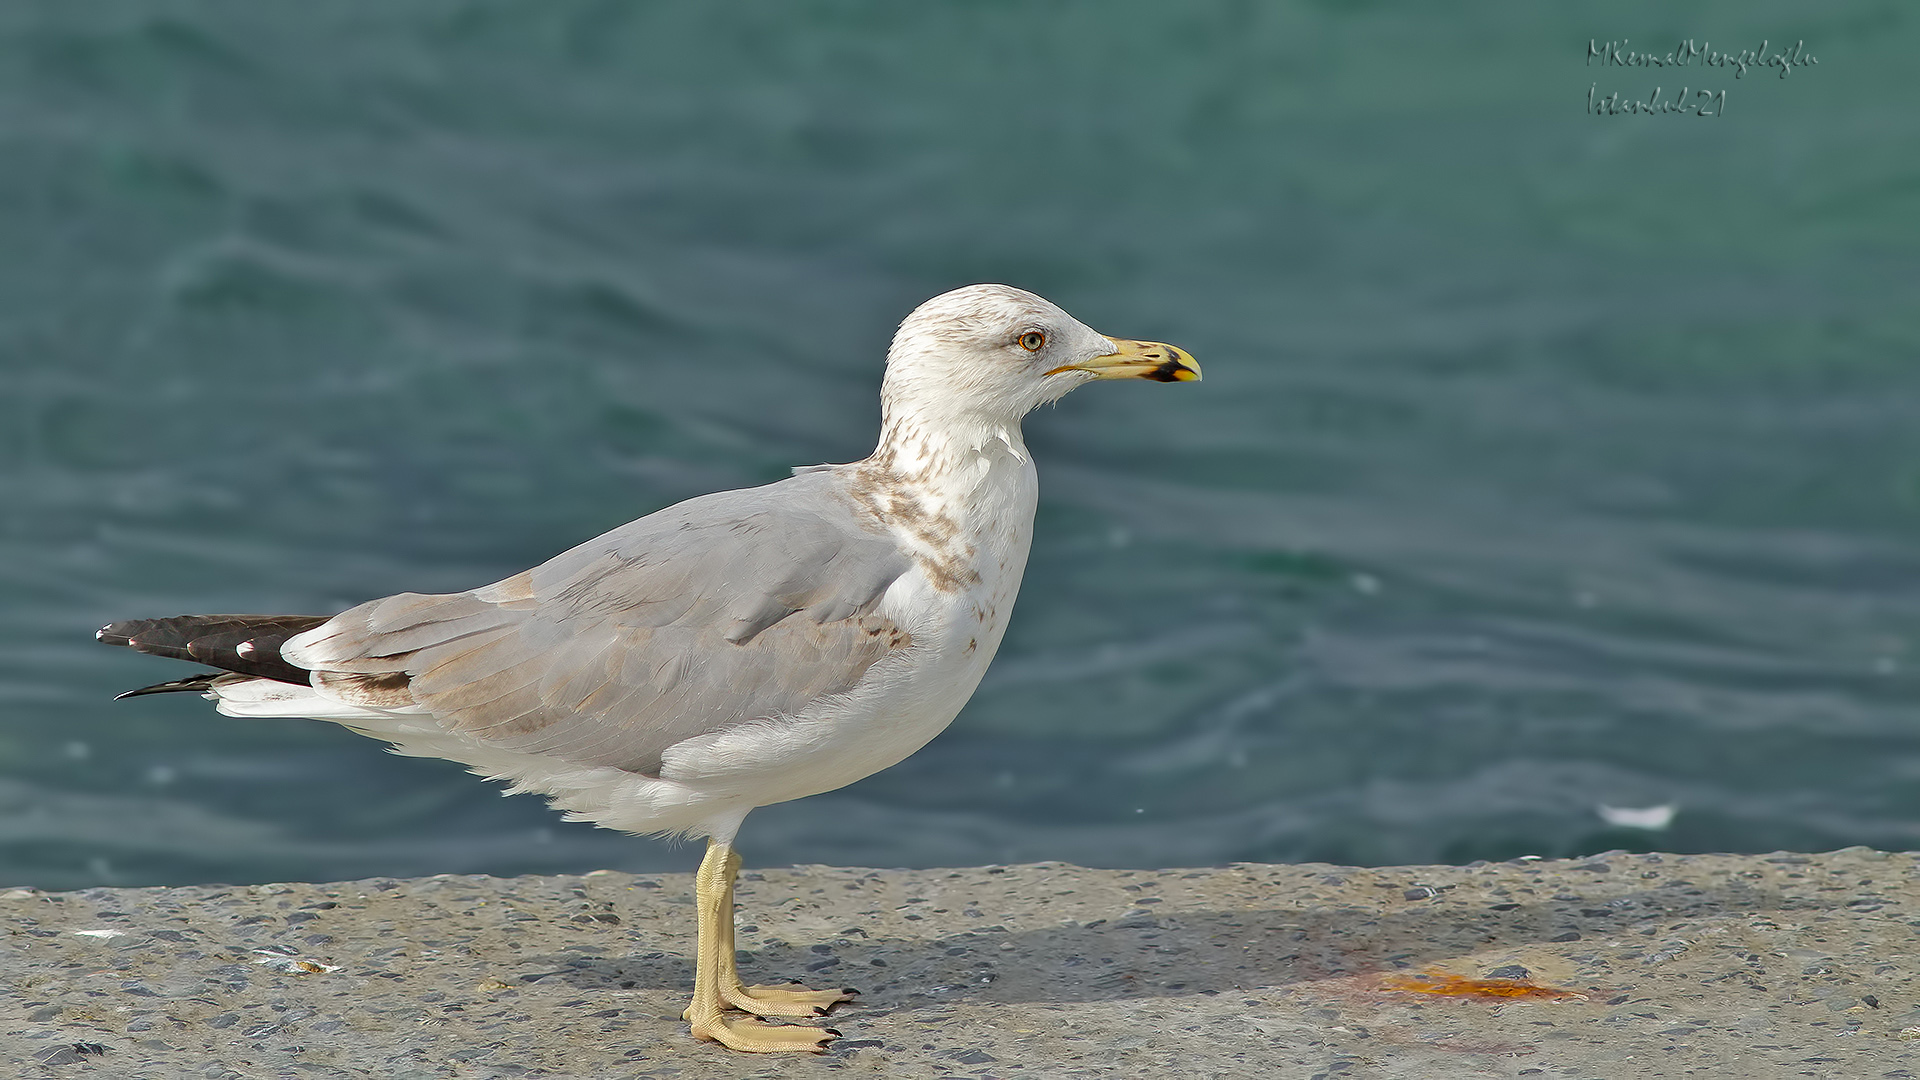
(1461, 986)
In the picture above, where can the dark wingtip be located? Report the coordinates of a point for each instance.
(191, 684)
(246, 644)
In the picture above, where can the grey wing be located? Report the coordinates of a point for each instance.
(722, 609)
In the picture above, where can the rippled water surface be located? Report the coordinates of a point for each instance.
(1545, 461)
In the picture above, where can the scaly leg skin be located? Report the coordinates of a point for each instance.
(789, 1000)
(716, 981)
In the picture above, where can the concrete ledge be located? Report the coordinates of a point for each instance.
(1783, 965)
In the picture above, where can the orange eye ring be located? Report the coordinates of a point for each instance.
(1033, 341)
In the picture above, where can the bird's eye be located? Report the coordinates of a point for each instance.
(1032, 340)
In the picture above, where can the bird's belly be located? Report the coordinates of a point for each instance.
(954, 603)
(898, 706)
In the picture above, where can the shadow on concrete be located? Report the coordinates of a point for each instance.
(1147, 955)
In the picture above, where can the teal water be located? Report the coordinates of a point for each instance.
(1545, 460)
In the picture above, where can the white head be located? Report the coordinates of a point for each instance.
(986, 355)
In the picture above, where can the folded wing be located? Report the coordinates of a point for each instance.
(718, 611)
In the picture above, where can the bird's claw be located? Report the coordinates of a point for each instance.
(754, 1037)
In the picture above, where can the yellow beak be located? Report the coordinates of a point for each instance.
(1140, 360)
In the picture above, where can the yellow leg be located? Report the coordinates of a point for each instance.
(716, 981)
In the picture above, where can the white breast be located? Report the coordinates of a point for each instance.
(955, 603)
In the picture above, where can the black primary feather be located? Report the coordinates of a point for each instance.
(200, 683)
(216, 640)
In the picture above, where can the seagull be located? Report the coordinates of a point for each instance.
(737, 650)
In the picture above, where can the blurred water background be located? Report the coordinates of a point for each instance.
(1546, 461)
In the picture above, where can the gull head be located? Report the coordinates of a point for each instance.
(987, 355)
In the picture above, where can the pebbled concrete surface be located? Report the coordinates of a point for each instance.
(1699, 966)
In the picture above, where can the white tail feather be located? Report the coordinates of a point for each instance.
(267, 697)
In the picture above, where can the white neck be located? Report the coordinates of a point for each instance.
(929, 447)
(957, 490)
